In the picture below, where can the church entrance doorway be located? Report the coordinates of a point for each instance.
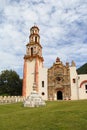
(59, 95)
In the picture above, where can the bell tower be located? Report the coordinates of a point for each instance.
(34, 48)
(33, 62)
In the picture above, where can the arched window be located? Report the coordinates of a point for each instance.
(35, 39)
(31, 51)
(74, 80)
(42, 83)
(31, 38)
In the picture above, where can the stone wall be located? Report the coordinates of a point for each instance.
(11, 99)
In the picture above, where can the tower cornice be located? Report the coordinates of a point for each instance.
(34, 35)
(33, 43)
(27, 57)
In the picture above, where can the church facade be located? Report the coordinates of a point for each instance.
(59, 82)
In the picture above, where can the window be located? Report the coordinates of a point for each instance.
(43, 93)
(86, 88)
(28, 50)
(35, 39)
(31, 51)
(42, 83)
(74, 80)
(31, 38)
(58, 78)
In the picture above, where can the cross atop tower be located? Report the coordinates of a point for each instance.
(35, 24)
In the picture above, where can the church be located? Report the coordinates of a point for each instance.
(59, 82)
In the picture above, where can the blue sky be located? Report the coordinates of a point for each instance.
(63, 31)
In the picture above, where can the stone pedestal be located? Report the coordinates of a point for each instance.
(34, 100)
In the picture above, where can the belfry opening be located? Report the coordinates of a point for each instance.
(31, 51)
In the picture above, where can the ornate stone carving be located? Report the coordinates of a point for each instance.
(58, 79)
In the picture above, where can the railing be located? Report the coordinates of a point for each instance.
(11, 99)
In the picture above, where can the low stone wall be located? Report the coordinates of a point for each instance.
(11, 99)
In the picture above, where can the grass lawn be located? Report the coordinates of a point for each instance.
(57, 115)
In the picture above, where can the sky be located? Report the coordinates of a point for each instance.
(63, 31)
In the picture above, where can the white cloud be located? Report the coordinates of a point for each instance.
(62, 26)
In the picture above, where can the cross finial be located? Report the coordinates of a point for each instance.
(35, 24)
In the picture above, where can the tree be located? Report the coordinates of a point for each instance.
(10, 83)
(82, 69)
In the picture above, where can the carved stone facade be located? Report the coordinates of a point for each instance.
(59, 81)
